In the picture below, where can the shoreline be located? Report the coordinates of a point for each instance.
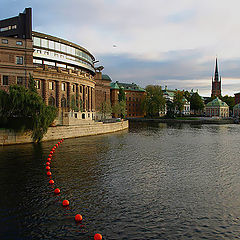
(199, 121)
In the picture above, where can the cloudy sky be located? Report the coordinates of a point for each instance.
(171, 43)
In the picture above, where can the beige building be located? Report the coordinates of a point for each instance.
(217, 108)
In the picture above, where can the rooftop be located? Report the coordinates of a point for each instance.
(217, 103)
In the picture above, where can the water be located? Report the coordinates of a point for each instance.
(154, 181)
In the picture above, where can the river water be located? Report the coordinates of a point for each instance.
(154, 181)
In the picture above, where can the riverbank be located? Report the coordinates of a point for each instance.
(191, 121)
(8, 137)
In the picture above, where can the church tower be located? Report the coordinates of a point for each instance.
(216, 83)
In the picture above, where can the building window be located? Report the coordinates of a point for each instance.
(14, 26)
(38, 84)
(51, 85)
(5, 80)
(4, 29)
(4, 41)
(19, 80)
(19, 60)
(63, 87)
(73, 88)
(20, 43)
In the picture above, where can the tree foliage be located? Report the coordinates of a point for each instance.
(120, 108)
(196, 102)
(121, 95)
(230, 101)
(154, 101)
(178, 101)
(104, 109)
(23, 109)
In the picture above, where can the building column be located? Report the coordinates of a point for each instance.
(58, 100)
(93, 99)
(68, 95)
(84, 97)
(90, 99)
(77, 96)
(45, 91)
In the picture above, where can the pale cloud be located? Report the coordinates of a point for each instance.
(167, 42)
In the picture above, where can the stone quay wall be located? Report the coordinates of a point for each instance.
(8, 137)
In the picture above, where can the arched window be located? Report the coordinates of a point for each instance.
(51, 101)
(63, 102)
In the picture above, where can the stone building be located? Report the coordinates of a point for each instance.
(64, 71)
(134, 97)
(102, 93)
(217, 108)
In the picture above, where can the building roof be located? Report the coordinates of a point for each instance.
(129, 86)
(114, 85)
(106, 77)
(217, 103)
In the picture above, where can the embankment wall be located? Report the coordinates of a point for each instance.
(8, 137)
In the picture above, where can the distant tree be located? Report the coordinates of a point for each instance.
(154, 102)
(104, 109)
(170, 109)
(121, 95)
(120, 108)
(196, 102)
(32, 84)
(187, 95)
(230, 101)
(178, 101)
(74, 104)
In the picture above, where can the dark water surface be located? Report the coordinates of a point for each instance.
(154, 181)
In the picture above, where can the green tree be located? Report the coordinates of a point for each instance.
(230, 101)
(187, 95)
(196, 102)
(121, 95)
(170, 109)
(74, 104)
(154, 102)
(104, 109)
(120, 108)
(178, 101)
(23, 109)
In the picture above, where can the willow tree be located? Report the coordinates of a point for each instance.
(23, 109)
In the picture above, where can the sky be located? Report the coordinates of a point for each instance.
(171, 43)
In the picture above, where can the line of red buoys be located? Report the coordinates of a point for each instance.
(65, 203)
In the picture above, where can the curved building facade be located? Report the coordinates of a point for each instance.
(64, 72)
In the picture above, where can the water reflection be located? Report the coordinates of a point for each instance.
(157, 181)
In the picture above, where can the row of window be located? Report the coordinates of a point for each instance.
(133, 99)
(11, 27)
(61, 57)
(45, 43)
(5, 41)
(5, 80)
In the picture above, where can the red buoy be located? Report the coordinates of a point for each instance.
(50, 155)
(51, 152)
(65, 203)
(57, 191)
(54, 147)
(78, 218)
(51, 181)
(49, 173)
(97, 236)
(47, 163)
(47, 168)
(49, 159)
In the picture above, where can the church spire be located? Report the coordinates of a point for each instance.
(216, 72)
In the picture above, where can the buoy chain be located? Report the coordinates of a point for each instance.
(78, 217)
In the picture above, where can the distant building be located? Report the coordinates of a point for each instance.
(236, 110)
(216, 83)
(134, 98)
(237, 98)
(102, 92)
(169, 94)
(217, 108)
